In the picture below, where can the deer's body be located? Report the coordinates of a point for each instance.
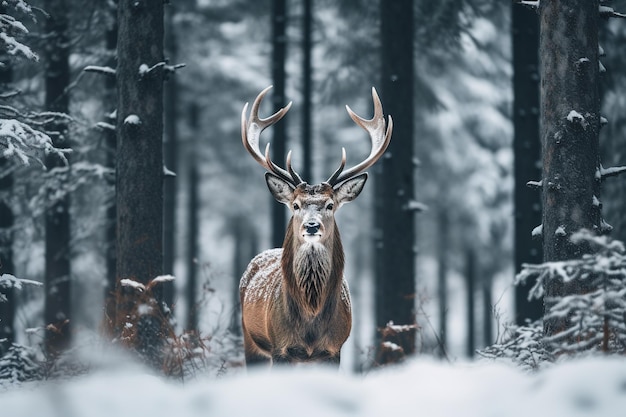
(271, 312)
(295, 302)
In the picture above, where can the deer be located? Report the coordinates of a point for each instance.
(295, 301)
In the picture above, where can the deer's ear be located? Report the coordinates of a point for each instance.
(280, 189)
(349, 190)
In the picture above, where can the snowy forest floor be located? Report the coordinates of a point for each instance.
(594, 386)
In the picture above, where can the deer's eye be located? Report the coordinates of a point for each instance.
(296, 207)
(330, 206)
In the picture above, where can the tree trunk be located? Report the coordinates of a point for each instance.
(394, 187)
(470, 276)
(487, 310)
(527, 149)
(570, 123)
(140, 160)
(193, 209)
(192, 247)
(111, 147)
(307, 93)
(279, 55)
(246, 247)
(7, 308)
(57, 310)
(443, 246)
(171, 160)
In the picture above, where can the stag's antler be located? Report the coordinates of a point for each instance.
(251, 131)
(379, 136)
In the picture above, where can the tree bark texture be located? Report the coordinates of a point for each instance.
(139, 143)
(110, 103)
(279, 139)
(7, 308)
(7, 223)
(307, 90)
(193, 208)
(170, 157)
(394, 184)
(527, 150)
(57, 309)
(570, 122)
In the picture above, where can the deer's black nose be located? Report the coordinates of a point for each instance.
(312, 227)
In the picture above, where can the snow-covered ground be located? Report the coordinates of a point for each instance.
(589, 387)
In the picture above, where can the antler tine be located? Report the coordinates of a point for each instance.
(251, 131)
(379, 136)
(333, 178)
(292, 172)
(290, 176)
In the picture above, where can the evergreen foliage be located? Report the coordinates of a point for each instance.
(591, 322)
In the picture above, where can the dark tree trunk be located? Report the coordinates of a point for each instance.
(7, 308)
(570, 123)
(394, 187)
(470, 276)
(443, 246)
(279, 55)
(110, 101)
(192, 247)
(246, 247)
(57, 310)
(307, 93)
(527, 149)
(487, 311)
(171, 160)
(140, 159)
(193, 209)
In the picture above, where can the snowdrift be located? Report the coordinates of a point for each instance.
(590, 387)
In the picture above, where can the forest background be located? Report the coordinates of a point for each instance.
(218, 213)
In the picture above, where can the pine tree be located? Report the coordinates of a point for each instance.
(139, 183)
(57, 311)
(570, 124)
(395, 244)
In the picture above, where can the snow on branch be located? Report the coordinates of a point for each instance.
(535, 184)
(168, 173)
(9, 26)
(574, 117)
(141, 287)
(145, 70)
(603, 121)
(105, 126)
(593, 319)
(11, 281)
(100, 70)
(606, 11)
(20, 141)
(415, 206)
(61, 181)
(603, 173)
(171, 69)
(132, 119)
(8, 281)
(531, 4)
(132, 284)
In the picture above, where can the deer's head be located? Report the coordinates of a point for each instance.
(313, 206)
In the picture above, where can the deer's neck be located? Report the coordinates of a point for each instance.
(312, 274)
